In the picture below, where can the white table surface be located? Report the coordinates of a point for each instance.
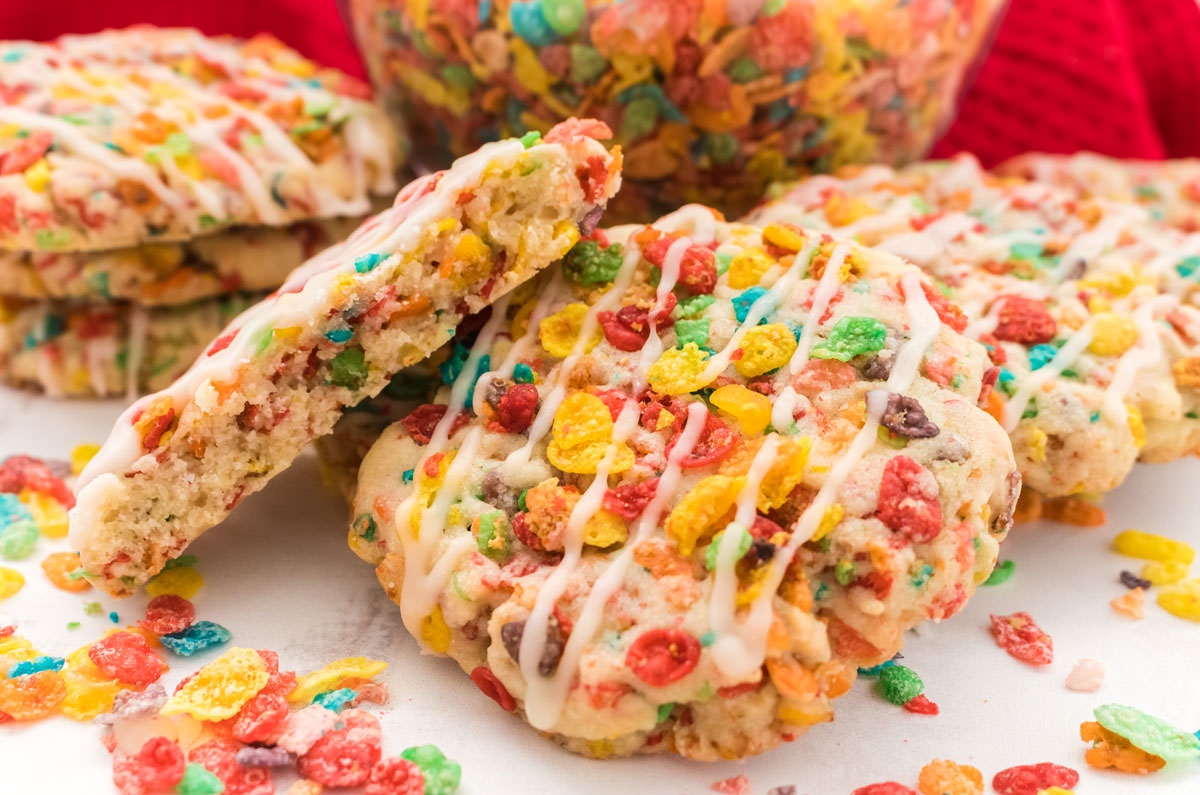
(279, 575)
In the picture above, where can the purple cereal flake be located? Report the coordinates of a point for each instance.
(786, 789)
(370, 692)
(904, 416)
(258, 756)
(58, 467)
(136, 704)
(589, 222)
(1131, 581)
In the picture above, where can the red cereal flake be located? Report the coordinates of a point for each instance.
(128, 658)
(24, 152)
(421, 421)
(26, 472)
(885, 788)
(221, 343)
(614, 400)
(1020, 636)
(904, 504)
(698, 270)
(921, 706)
(517, 407)
(715, 442)
(395, 776)
(1029, 779)
(219, 757)
(280, 683)
(823, 375)
(493, 688)
(996, 353)
(260, 720)
(1024, 320)
(628, 500)
(157, 766)
(661, 656)
(520, 528)
(168, 613)
(7, 630)
(738, 785)
(250, 781)
(949, 313)
(341, 758)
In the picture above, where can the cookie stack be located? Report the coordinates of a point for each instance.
(155, 182)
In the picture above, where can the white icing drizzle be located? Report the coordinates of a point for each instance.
(744, 647)
(827, 287)
(1147, 351)
(1066, 356)
(722, 606)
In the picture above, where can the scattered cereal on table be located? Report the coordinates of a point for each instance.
(1086, 676)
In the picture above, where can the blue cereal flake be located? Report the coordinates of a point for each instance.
(113, 617)
(743, 302)
(531, 24)
(198, 637)
(334, 700)
(368, 262)
(406, 476)
(522, 373)
(875, 670)
(453, 366)
(12, 510)
(339, 335)
(1187, 266)
(1040, 356)
(26, 667)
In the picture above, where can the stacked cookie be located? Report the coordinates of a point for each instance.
(155, 182)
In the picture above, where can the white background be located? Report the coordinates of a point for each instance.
(279, 575)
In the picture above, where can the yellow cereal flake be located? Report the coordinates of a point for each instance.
(81, 455)
(1181, 599)
(702, 510)
(784, 236)
(604, 528)
(1112, 334)
(679, 371)
(1118, 284)
(807, 715)
(472, 258)
(1137, 426)
(829, 520)
(435, 632)
(332, 675)
(559, 332)
(48, 513)
(90, 692)
(17, 649)
(765, 348)
(1151, 546)
(751, 410)
(11, 581)
(748, 267)
(182, 581)
(1037, 444)
(219, 689)
(785, 474)
(582, 435)
(38, 175)
(1164, 573)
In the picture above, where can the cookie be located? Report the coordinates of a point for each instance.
(1168, 189)
(1088, 306)
(675, 492)
(72, 349)
(280, 375)
(245, 259)
(113, 139)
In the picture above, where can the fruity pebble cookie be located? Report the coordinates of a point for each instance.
(154, 134)
(1088, 306)
(244, 259)
(676, 490)
(102, 350)
(280, 375)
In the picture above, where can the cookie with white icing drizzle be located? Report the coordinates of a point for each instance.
(677, 490)
(243, 259)
(1088, 305)
(80, 349)
(280, 375)
(152, 134)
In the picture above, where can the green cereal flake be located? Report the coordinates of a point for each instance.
(693, 306)
(93, 609)
(744, 541)
(723, 258)
(664, 711)
(1001, 574)
(844, 572)
(850, 337)
(349, 369)
(1152, 735)
(364, 527)
(442, 775)
(899, 684)
(588, 263)
(197, 780)
(73, 625)
(692, 331)
(182, 560)
(493, 537)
